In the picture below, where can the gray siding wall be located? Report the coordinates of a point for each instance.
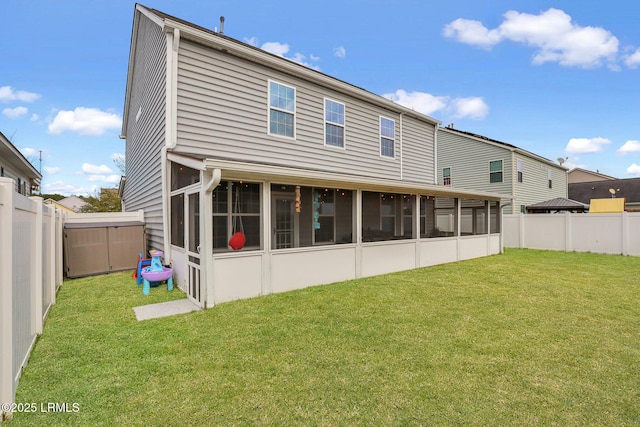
(223, 113)
(9, 172)
(146, 137)
(469, 161)
(534, 187)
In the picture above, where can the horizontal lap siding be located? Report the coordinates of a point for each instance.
(146, 137)
(469, 162)
(418, 150)
(534, 187)
(223, 113)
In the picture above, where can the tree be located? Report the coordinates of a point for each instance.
(106, 201)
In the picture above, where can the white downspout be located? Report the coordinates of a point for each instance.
(171, 134)
(206, 240)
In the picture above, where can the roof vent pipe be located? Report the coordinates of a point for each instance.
(222, 25)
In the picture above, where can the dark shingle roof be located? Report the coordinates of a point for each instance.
(585, 191)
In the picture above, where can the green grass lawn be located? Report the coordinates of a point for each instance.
(524, 338)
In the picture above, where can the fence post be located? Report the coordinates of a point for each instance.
(52, 254)
(6, 294)
(36, 267)
(625, 235)
(568, 232)
(521, 242)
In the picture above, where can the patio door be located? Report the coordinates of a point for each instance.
(192, 244)
(285, 221)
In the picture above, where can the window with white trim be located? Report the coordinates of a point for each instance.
(333, 123)
(282, 109)
(446, 176)
(549, 176)
(520, 171)
(495, 171)
(387, 137)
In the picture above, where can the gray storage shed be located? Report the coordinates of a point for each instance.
(103, 247)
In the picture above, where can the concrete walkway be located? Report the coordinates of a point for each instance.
(164, 309)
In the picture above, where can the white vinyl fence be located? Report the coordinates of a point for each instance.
(30, 274)
(600, 233)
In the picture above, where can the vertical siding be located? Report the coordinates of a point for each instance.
(146, 137)
(223, 113)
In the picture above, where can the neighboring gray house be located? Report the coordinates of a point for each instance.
(14, 165)
(467, 160)
(326, 181)
(582, 175)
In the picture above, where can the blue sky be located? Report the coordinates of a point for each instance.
(558, 78)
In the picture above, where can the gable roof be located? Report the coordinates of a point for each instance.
(505, 145)
(229, 45)
(585, 191)
(13, 157)
(598, 175)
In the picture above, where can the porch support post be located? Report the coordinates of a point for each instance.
(211, 179)
(266, 288)
(358, 233)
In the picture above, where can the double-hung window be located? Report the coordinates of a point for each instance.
(387, 137)
(495, 171)
(446, 176)
(550, 176)
(333, 123)
(519, 163)
(282, 109)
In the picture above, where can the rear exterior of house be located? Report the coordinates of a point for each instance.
(327, 181)
(15, 166)
(475, 162)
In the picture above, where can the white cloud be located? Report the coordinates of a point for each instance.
(340, 52)
(29, 152)
(425, 103)
(276, 48)
(571, 164)
(634, 169)
(552, 33)
(34, 117)
(422, 102)
(633, 60)
(281, 49)
(473, 108)
(85, 121)
(471, 32)
(89, 169)
(14, 113)
(111, 179)
(253, 41)
(60, 187)
(631, 146)
(52, 170)
(7, 94)
(586, 145)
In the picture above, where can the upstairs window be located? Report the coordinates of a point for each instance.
(387, 137)
(495, 171)
(282, 109)
(446, 176)
(550, 178)
(333, 123)
(519, 170)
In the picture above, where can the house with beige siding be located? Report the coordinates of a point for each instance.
(475, 162)
(259, 175)
(15, 166)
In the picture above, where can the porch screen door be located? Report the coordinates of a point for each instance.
(192, 235)
(284, 226)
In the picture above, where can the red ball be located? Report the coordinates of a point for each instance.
(237, 241)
